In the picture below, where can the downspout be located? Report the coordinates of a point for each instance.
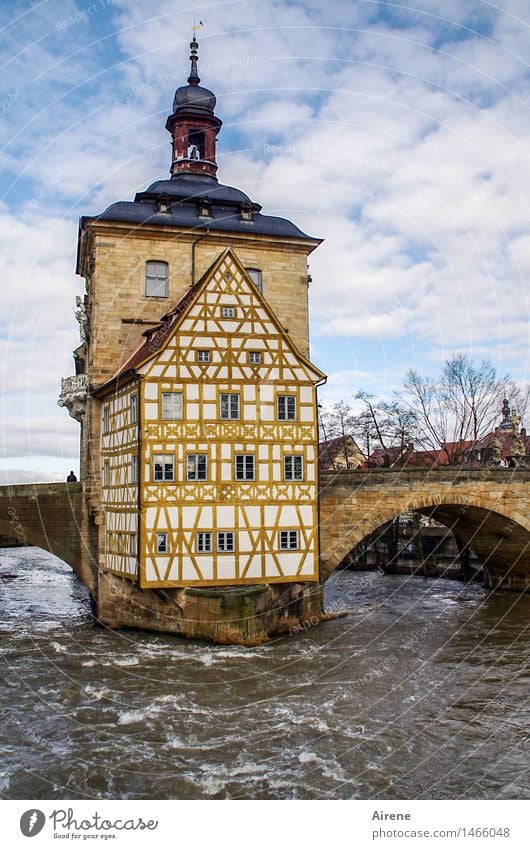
(196, 242)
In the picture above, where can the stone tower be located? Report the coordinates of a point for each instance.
(196, 399)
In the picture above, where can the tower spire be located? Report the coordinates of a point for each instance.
(194, 78)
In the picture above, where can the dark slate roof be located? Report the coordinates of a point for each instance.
(193, 187)
(183, 193)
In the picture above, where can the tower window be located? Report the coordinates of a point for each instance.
(156, 279)
(256, 277)
(196, 149)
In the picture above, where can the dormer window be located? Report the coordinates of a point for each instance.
(205, 208)
(163, 206)
(246, 212)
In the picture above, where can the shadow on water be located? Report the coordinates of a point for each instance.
(417, 692)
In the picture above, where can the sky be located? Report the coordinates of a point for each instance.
(398, 132)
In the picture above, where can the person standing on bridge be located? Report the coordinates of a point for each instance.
(71, 477)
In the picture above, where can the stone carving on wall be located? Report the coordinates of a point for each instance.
(82, 318)
(74, 395)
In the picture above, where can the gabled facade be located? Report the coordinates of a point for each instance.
(209, 435)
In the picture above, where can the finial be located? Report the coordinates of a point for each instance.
(193, 78)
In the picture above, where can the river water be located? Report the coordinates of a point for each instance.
(418, 692)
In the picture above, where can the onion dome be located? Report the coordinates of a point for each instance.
(193, 97)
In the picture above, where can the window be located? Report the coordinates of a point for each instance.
(203, 356)
(164, 467)
(156, 279)
(288, 540)
(133, 545)
(254, 358)
(204, 542)
(134, 408)
(171, 405)
(106, 473)
(134, 468)
(225, 541)
(255, 276)
(286, 408)
(293, 467)
(197, 467)
(106, 418)
(229, 406)
(161, 543)
(244, 467)
(229, 312)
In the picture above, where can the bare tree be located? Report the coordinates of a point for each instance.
(457, 410)
(388, 424)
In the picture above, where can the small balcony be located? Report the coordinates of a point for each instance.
(74, 395)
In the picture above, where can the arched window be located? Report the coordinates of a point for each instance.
(196, 145)
(156, 279)
(255, 276)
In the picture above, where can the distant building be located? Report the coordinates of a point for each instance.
(339, 454)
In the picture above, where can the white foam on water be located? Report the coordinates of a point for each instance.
(89, 663)
(126, 661)
(132, 716)
(58, 647)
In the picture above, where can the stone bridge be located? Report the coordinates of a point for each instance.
(488, 508)
(52, 516)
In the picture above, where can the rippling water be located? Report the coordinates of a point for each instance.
(419, 692)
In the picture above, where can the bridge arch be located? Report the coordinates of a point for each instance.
(50, 516)
(492, 519)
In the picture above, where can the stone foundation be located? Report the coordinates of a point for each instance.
(246, 616)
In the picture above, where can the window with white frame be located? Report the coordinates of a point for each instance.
(134, 408)
(204, 542)
(229, 312)
(171, 405)
(106, 418)
(286, 408)
(288, 540)
(293, 467)
(254, 358)
(203, 356)
(163, 467)
(134, 468)
(156, 279)
(256, 277)
(197, 467)
(229, 404)
(225, 542)
(161, 543)
(244, 467)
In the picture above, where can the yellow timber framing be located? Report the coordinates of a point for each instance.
(247, 436)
